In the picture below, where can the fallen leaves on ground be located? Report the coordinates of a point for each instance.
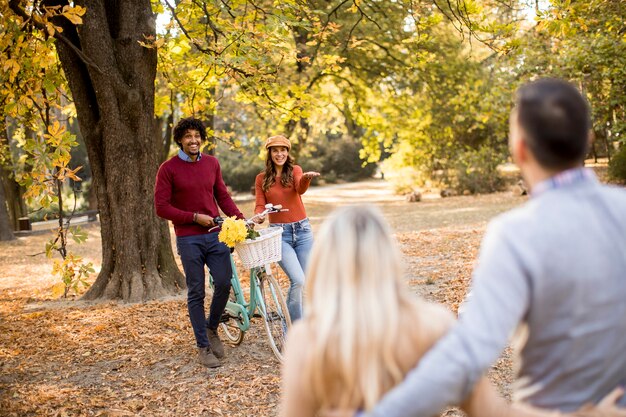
(69, 358)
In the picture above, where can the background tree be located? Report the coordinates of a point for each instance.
(585, 42)
(425, 83)
(111, 78)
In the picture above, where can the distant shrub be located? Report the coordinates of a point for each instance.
(330, 177)
(617, 166)
(338, 159)
(240, 176)
(476, 170)
(239, 167)
(404, 180)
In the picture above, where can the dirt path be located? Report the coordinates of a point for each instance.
(108, 359)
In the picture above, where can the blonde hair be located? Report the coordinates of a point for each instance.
(357, 307)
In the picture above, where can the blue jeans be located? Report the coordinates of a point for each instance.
(195, 252)
(297, 241)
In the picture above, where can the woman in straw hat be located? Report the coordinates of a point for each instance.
(283, 183)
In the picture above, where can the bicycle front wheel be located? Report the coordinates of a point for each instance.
(234, 335)
(231, 327)
(275, 314)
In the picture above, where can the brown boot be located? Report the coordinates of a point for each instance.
(216, 344)
(207, 358)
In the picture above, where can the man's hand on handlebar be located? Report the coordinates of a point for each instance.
(259, 220)
(205, 220)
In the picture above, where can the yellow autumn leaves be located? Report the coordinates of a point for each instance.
(233, 231)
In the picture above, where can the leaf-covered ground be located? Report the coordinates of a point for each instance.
(66, 358)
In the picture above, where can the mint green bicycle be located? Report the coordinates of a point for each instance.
(266, 298)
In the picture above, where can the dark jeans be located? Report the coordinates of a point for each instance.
(195, 252)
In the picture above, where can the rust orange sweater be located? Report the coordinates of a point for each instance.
(289, 197)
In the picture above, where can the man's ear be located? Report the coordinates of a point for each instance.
(519, 150)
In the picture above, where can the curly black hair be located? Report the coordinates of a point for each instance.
(188, 123)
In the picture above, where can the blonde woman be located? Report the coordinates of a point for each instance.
(364, 329)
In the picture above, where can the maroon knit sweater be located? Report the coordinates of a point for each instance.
(183, 188)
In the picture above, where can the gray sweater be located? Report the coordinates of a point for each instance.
(555, 270)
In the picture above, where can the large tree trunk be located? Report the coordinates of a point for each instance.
(112, 84)
(13, 192)
(13, 204)
(6, 228)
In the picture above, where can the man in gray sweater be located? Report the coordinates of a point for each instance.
(553, 269)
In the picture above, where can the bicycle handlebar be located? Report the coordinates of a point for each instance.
(269, 209)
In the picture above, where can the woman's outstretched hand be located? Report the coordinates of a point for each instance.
(310, 174)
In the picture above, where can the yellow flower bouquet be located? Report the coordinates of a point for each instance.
(235, 231)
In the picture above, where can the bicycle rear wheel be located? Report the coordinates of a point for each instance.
(230, 328)
(275, 314)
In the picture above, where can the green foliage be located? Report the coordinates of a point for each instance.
(585, 43)
(428, 86)
(73, 273)
(252, 234)
(33, 98)
(240, 167)
(617, 166)
(338, 158)
(405, 179)
(476, 170)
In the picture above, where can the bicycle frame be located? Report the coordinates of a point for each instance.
(242, 309)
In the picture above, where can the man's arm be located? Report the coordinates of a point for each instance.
(224, 201)
(163, 199)
(447, 373)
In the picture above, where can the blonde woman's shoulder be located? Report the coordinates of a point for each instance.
(433, 321)
(297, 397)
(298, 337)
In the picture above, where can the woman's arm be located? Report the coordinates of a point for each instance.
(302, 181)
(486, 402)
(296, 395)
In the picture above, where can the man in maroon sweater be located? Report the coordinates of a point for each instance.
(189, 188)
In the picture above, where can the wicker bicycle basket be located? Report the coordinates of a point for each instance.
(262, 250)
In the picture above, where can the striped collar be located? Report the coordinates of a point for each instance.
(563, 179)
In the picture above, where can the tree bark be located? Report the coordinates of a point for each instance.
(13, 192)
(163, 134)
(112, 84)
(6, 228)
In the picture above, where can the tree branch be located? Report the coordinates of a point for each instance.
(18, 10)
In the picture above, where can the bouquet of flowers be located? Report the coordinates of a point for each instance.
(235, 231)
